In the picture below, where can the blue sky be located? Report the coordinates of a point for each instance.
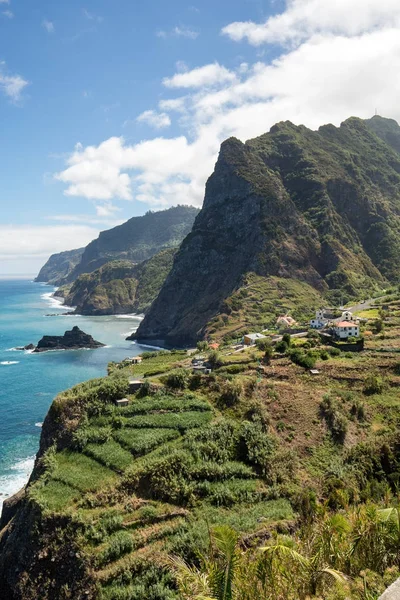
(102, 74)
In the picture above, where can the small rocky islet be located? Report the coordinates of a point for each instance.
(75, 339)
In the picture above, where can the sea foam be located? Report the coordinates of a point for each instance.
(13, 482)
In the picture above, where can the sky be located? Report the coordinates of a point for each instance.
(111, 108)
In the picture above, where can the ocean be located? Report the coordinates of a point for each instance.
(29, 382)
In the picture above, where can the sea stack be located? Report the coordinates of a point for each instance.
(71, 340)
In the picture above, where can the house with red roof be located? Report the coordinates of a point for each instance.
(346, 329)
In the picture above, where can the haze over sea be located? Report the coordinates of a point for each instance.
(29, 382)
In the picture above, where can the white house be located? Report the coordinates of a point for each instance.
(250, 338)
(346, 329)
(347, 316)
(320, 320)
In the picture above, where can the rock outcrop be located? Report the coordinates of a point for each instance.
(75, 339)
(119, 287)
(322, 207)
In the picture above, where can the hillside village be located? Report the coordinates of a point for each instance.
(151, 459)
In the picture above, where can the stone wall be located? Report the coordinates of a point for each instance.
(392, 593)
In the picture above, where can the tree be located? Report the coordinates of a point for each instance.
(202, 346)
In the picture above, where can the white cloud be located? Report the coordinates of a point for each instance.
(154, 119)
(19, 241)
(202, 76)
(11, 85)
(173, 104)
(4, 1)
(92, 17)
(48, 26)
(86, 219)
(179, 31)
(325, 78)
(8, 13)
(304, 18)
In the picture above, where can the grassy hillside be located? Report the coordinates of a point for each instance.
(119, 287)
(283, 460)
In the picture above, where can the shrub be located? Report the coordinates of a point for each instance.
(324, 355)
(281, 347)
(396, 369)
(257, 447)
(334, 351)
(305, 360)
(267, 355)
(287, 339)
(263, 344)
(358, 410)
(336, 422)
(120, 543)
(231, 393)
(214, 359)
(374, 384)
(202, 346)
(178, 379)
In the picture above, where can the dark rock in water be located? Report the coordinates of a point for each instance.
(27, 347)
(71, 340)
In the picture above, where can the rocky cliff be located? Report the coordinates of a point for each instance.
(320, 207)
(138, 239)
(119, 287)
(59, 266)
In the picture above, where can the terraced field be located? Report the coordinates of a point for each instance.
(135, 477)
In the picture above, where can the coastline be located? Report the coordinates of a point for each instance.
(20, 429)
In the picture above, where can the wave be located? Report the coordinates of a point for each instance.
(14, 481)
(138, 317)
(38, 424)
(9, 362)
(55, 302)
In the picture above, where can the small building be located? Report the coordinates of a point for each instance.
(136, 360)
(201, 369)
(314, 371)
(347, 316)
(122, 402)
(250, 338)
(214, 346)
(135, 385)
(321, 319)
(285, 321)
(346, 329)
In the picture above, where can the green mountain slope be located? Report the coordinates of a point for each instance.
(138, 239)
(59, 266)
(321, 207)
(119, 287)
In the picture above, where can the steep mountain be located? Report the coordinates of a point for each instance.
(120, 287)
(138, 239)
(59, 266)
(320, 207)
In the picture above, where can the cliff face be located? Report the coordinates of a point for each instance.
(138, 239)
(119, 287)
(321, 207)
(59, 266)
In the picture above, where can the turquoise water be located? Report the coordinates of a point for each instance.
(29, 382)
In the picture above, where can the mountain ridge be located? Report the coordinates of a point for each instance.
(322, 207)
